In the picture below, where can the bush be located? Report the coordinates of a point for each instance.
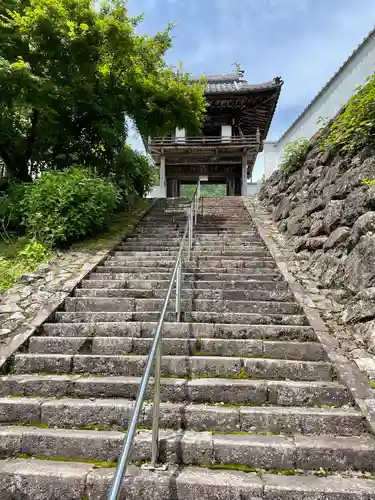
(13, 202)
(63, 207)
(133, 173)
(294, 156)
(354, 128)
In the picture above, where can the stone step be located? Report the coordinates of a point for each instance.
(197, 448)
(233, 392)
(115, 304)
(198, 247)
(201, 255)
(175, 366)
(194, 294)
(102, 273)
(278, 287)
(119, 264)
(188, 317)
(189, 273)
(56, 480)
(116, 414)
(292, 350)
(181, 330)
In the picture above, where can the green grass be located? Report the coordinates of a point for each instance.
(13, 264)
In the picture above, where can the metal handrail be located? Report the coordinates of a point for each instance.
(156, 354)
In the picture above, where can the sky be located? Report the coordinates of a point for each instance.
(303, 41)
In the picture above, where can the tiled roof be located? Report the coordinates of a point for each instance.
(234, 82)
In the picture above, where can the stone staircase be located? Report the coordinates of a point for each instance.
(251, 408)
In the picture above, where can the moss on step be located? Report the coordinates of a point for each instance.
(233, 467)
(97, 464)
(372, 384)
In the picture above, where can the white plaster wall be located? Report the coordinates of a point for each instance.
(252, 188)
(157, 192)
(329, 103)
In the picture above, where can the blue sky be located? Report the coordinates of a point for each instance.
(303, 41)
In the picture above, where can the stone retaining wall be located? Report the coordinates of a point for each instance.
(326, 214)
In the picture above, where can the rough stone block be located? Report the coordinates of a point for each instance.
(35, 363)
(278, 487)
(227, 391)
(25, 409)
(42, 479)
(307, 393)
(255, 451)
(289, 370)
(92, 445)
(112, 345)
(335, 453)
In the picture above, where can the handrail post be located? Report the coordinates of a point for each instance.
(178, 291)
(190, 242)
(156, 406)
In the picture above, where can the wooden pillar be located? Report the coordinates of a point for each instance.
(174, 188)
(244, 175)
(163, 180)
(231, 187)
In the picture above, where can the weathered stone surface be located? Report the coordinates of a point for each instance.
(359, 269)
(282, 209)
(315, 243)
(333, 215)
(363, 225)
(355, 206)
(337, 237)
(362, 308)
(317, 228)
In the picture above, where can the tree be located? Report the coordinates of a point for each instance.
(69, 77)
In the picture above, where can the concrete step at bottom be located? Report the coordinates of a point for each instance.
(56, 480)
(181, 331)
(202, 390)
(197, 448)
(120, 304)
(175, 366)
(303, 351)
(188, 317)
(115, 414)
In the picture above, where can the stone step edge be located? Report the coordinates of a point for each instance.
(198, 448)
(202, 390)
(39, 478)
(142, 329)
(110, 414)
(252, 348)
(234, 367)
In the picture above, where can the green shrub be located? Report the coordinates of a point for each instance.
(294, 156)
(63, 207)
(354, 128)
(368, 182)
(13, 204)
(133, 173)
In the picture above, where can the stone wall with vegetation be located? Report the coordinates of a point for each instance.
(323, 201)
